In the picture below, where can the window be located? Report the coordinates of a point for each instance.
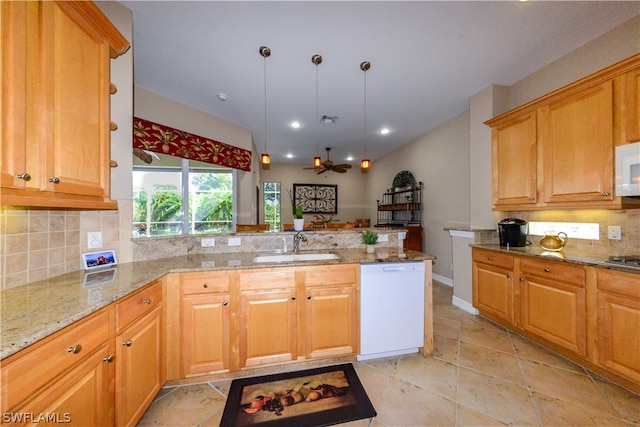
(173, 196)
(271, 194)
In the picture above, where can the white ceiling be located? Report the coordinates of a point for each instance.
(427, 59)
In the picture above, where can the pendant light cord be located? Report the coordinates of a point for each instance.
(265, 103)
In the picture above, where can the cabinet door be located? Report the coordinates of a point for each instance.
(514, 162)
(79, 398)
(138, 367)
(74, 76)
(576, 135)
(331, 321)
(268, 327)
(493, 291)
(631, 108)
(18, 27)
(554, 311)
(205, 333)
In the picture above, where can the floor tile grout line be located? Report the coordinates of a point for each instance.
(605, 395)
(534, 402)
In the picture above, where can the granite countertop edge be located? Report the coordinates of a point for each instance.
(34, 311)
(569, 256)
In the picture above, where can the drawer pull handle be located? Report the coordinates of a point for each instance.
(24, 176)
(225, 303)
(605, 194)
(205, 286)
(490, 258)
(547, 270)
(127, 343)
(146, 301)
(55, 180)
(75, 349)
(108, 359)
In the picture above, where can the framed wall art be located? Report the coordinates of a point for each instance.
(316, 198)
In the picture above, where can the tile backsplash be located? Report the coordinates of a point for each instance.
(38, 244)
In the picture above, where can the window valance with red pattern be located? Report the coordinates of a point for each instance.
(173, 142)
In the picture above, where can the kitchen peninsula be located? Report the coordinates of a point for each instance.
(144, 323)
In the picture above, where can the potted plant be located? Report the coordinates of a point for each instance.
(298, 220)
(370, 238)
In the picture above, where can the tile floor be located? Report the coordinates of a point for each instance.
(480, 375)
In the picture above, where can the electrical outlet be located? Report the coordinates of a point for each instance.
(615, 232)
(94, 240)
(383, 237)
(208, 242)
(234, 241)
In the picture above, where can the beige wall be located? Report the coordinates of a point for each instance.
(352, 195)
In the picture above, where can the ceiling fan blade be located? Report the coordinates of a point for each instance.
(322, 171)
(339, 170)
(343, 166)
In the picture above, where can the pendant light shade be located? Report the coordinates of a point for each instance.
(365, 163)
(317, 161)
(265, 159)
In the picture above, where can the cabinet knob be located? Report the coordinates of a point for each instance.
(508, 276)
(521, 279)
(605, 194)
(205, 286)
(225, 303)
(531, 199)
(309, 297)
(25, 176)
(146, 301)
(108, 359)
(293, 298)
(546, 270)
(127, 343)
(75, 349)
(55, 180)
(490, 258)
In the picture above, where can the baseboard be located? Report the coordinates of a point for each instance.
(464, 305)
(444, 280)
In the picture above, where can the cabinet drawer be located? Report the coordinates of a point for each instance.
(203, 283)
(33, 369)
(138, 304)
(495, 258)
(277, 278)
(627, 284)
(557, 271)
(331, 275)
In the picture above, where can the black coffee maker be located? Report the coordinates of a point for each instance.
(513, 232)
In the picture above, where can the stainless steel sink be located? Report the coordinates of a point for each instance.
(321, 256)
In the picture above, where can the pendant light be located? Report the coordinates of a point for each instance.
(265, 160)
(365, 163)
(317, 161)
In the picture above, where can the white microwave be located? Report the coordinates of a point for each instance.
(628, 170)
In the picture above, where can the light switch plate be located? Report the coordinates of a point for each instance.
(614, 232)
(383, 237)
(208, 242)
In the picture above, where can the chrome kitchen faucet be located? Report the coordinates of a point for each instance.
(296, 241)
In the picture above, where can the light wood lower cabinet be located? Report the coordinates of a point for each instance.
(68, 374)
(268, 325)
(619, 323)
(553, 302)
(140, 372)
(493, 289)
(588, 314)
(205, 341)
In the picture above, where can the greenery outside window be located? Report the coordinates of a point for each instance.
(173, 196)
(271, 203)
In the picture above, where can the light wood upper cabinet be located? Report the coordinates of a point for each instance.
(576, 136)
(557, 152)
(55, 104)
(514, 162)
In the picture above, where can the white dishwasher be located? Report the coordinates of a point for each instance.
(391, 309)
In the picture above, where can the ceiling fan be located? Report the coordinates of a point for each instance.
(328, 165)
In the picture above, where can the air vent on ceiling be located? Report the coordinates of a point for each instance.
(328, 119)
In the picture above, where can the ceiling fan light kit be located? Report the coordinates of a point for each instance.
(328, 165)
(265, 159)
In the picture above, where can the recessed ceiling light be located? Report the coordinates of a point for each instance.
(289, 156)
(222, 96)
(385, 131)
(350, 159)
(295, 124)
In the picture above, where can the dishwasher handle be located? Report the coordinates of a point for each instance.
(398, 269)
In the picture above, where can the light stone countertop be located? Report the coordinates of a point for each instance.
(36, 310)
